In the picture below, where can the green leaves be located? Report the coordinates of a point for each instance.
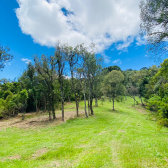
(5, 56)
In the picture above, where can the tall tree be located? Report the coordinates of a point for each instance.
(60, 57)
(72, 58)
(91, 66)
(45, 66)
(112, 85)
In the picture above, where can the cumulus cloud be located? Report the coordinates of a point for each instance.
(26, 60)
(117, 61)
(123, 47)
(74, 21)
(141, 40)
(106, 58)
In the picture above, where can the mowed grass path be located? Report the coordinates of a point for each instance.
(121, 138)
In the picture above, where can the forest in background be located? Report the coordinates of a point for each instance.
(76, 74)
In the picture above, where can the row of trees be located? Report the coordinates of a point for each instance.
(46, 85)
(69, 74)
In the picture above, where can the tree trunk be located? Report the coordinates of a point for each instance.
(134, 99)
(85, 99)
(91, 101)
(37, 108)
(96, 102)
(134, 102)
(49, 115)
(53, 110)
(91, 108)
(113, 104)
(89, 104)
(62, 100)
(142, 101)
(125, 97)
(23, 116)
(62, 110)
(76, 99)
(49, 109)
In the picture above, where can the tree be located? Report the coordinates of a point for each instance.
(60, 57)
(46, 69)
(5, 56)
(91, 66)
(133, 91)
(112, 85)
(73, 57)
(154, 16)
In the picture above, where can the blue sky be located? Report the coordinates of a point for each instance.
(24, 44)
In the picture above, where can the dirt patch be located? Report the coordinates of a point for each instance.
(16, 157)
(53, 164)
(140, 109)
(39, 153)
(40, 120)
(121, 131)
(102, 132)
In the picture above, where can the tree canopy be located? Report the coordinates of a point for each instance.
(154, 16)
(5, 56)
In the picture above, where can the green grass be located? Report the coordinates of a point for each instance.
(121, 138)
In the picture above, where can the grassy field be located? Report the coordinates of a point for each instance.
(121, 138)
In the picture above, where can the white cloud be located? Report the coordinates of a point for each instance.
(141, 40)
(123, 47)
(117, 61)
(106, 58)
(103, 22)
(26, 60)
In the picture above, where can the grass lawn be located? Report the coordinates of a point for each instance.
(121, 138)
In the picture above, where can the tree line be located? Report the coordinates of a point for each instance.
(75, 74)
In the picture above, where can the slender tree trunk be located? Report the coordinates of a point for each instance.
(142, 101)
(62, 100)
(53, 109)
(37, 108)
(91, 100)
(134, 99)
(91, 108)
(113, 104)
(76, 100)
(134, 102)
(62, 110)
(49, 112)
(85, 99)
(96, 102)
(89, 103)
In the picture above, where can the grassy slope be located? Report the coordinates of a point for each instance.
(122, 138)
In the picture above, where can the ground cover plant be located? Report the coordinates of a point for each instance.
(120, 138)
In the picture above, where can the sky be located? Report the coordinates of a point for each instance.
(31, 27)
